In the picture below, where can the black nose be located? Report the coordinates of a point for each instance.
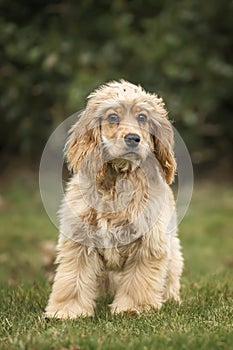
(132, 140)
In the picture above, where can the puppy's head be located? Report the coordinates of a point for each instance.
(122, 124)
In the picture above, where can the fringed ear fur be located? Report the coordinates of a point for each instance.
(163, 141)
(83, 140)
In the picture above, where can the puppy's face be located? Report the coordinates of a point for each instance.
(125, 123)
(125, 131)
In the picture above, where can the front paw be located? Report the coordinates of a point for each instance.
(70, 311)
(117, 308)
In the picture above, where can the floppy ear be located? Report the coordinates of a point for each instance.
(84, 138)
(163, 143)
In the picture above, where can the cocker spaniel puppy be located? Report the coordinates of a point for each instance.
(118, 217)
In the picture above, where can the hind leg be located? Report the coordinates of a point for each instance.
(175, 268)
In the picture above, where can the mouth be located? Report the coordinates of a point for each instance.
(130, 156)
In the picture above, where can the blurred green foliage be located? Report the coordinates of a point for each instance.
(53, 53)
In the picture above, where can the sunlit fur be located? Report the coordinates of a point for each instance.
(118, 217)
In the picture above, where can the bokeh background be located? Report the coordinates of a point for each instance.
(54, 53)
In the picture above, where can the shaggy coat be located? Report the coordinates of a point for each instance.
(118, 217)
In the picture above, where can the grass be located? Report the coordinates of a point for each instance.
(203, 321)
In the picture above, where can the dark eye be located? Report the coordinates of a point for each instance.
(113, 118)
(142, 118)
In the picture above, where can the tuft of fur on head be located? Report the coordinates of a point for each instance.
(85, 135)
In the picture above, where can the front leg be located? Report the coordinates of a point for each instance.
(75, 285)
(141, 286)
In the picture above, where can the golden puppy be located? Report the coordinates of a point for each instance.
(118, 217)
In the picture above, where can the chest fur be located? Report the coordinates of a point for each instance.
(115, 258)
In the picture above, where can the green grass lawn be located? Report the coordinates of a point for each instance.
(203, 321)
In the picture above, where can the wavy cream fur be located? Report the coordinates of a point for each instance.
(128, 235)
